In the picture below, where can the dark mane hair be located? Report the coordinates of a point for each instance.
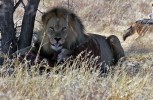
(61, 12)
(75, 31)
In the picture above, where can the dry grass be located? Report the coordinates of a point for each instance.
(131, 79)
(103, 15)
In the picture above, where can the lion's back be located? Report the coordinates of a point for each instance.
(105, 50)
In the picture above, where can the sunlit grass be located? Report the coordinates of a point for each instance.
(80, 83)
(131, 79)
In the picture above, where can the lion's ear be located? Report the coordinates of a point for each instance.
(45, 17)
(71, 17)
(75, 20)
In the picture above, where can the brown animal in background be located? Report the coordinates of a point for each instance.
(141, 27)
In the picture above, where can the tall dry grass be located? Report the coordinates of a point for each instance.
(131, 79)
(103, 15)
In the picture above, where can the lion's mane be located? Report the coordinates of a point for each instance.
(75, 33)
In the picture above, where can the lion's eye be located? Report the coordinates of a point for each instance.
(64, 28)
(51, 28)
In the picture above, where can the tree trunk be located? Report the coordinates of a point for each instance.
(8, 43)
(28, 23)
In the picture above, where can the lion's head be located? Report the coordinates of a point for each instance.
(62, 29)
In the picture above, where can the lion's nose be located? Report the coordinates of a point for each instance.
(57, 39)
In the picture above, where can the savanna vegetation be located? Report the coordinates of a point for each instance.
(130, 79)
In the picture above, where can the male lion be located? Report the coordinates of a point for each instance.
(141, 27)
(63, 34)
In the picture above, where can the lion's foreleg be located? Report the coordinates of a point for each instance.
(63, 55)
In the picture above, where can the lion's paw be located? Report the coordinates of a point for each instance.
(64, 55)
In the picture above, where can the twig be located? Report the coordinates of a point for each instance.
(38, 21)
(68, 3)
(16, 5)
(43, 2)
(23, 4)
(17, 21)
(40, 11)
(16, 24)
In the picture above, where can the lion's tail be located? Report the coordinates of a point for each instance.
(129, 32)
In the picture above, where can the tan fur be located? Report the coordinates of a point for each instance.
(108, 48)
(140, 28)
(74, 40)
(75, 31)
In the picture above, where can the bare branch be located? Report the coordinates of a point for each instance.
(40, 11)
(17, 21)
(38, 21)
(23, 4)
(43, 2)
(16, 5)
(17, 27)
(68, 4)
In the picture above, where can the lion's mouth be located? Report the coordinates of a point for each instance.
(56, 46)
